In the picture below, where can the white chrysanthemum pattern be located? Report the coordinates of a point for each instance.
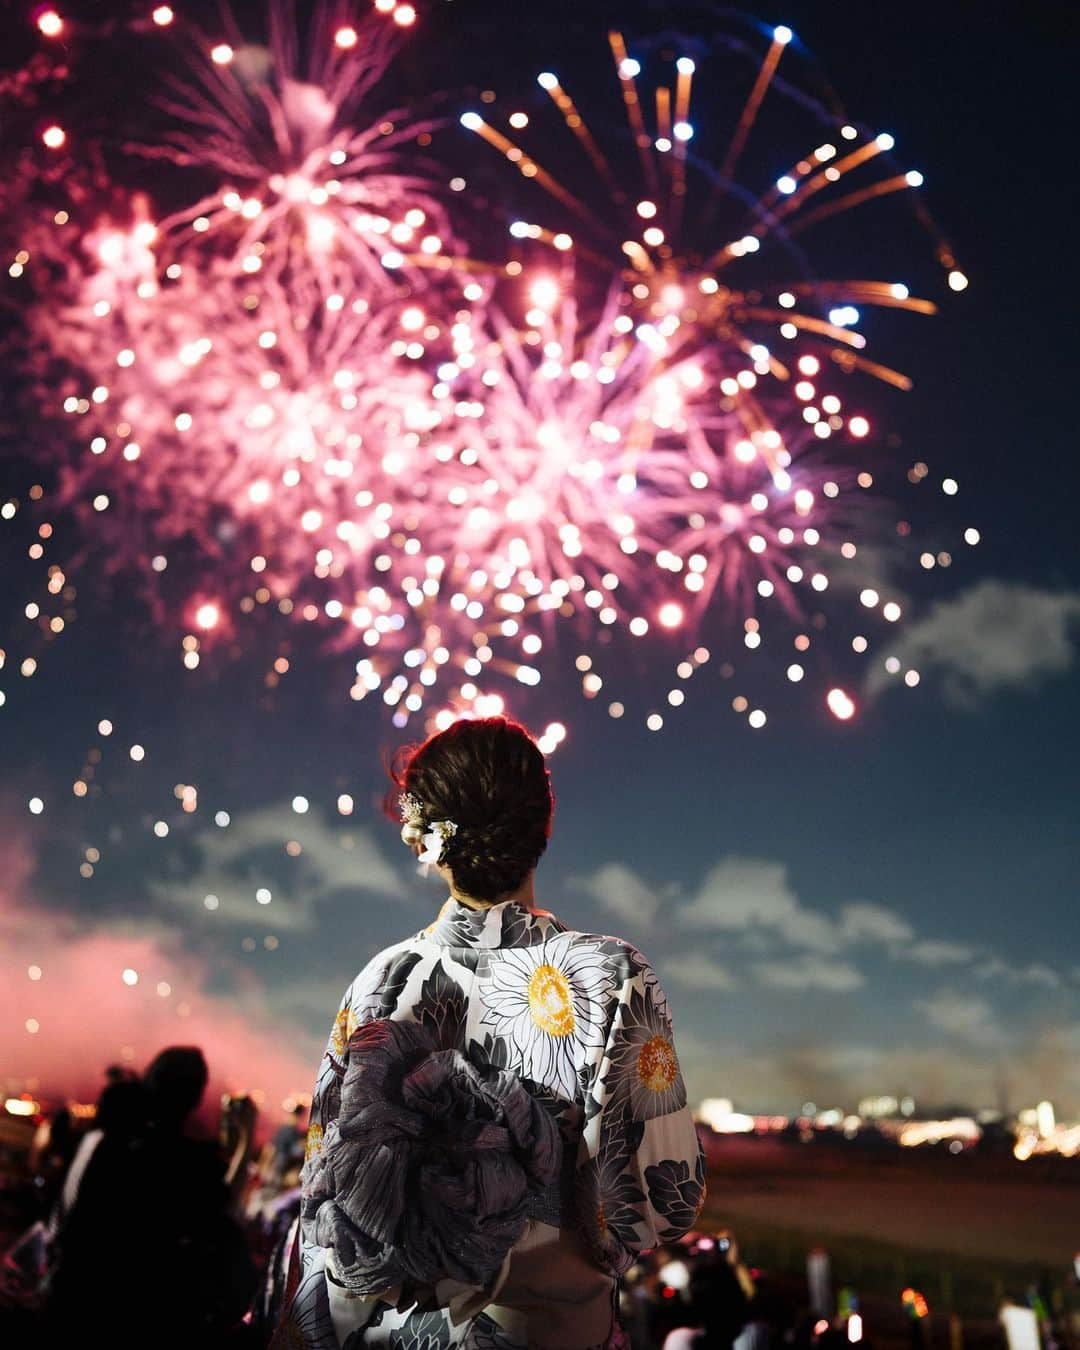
(550, 1003)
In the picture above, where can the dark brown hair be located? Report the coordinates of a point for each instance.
(488, 776)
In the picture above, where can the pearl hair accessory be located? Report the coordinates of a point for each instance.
(412, 816)
(432, 835)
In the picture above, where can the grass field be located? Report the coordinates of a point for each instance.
(964, 1230)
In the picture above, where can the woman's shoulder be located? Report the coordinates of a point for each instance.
(634, 983)
(379, 969)
(622, 957)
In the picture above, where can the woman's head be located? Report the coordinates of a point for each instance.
(488, 777)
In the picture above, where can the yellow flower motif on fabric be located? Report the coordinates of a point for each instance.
(550, 1003)
(339, 1037)
(314, 1144)
(657, 1067)
(644, 1070)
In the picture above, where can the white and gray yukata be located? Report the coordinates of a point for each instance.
(582, 1021)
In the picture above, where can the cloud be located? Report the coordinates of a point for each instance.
(784, 943)
(810, 971)
(697, 970)
(754, 896)
(234, 863)
(992, 968)
(749, 896)
(622, 891)
(1034, 973)
(937, 952)
(740, 893)
(1038, 973)
(58, 1031)
(996, 635)
(874, 923)
(879, 565)
(967, 1017)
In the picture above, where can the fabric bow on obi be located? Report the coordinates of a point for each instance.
(435, 1161)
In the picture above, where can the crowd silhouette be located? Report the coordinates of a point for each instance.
(148, 1234)
(142, 1246)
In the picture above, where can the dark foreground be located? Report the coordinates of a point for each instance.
(966, 1232)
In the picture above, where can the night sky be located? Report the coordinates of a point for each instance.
(836, 910)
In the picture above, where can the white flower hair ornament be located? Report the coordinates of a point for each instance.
(435, 840)
(432, 835)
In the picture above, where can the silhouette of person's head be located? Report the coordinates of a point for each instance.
(175, 1083)
(122, 1109)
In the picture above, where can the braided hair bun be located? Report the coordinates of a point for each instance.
(488, 776)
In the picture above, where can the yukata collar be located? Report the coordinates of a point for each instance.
(506, 925)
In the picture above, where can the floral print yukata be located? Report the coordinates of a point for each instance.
(583, 1022)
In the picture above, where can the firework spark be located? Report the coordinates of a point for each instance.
(754, 490)
(315, 176)
(256, 429)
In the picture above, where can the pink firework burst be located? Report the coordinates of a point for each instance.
(278, 387)
(598, 459)
(253, 427)
(553, 425)
(315, 174)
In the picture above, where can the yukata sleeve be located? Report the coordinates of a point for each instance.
(306, 1317)
(641, 1172)
(325, 1108)
(378, 991)
(318, 1320)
